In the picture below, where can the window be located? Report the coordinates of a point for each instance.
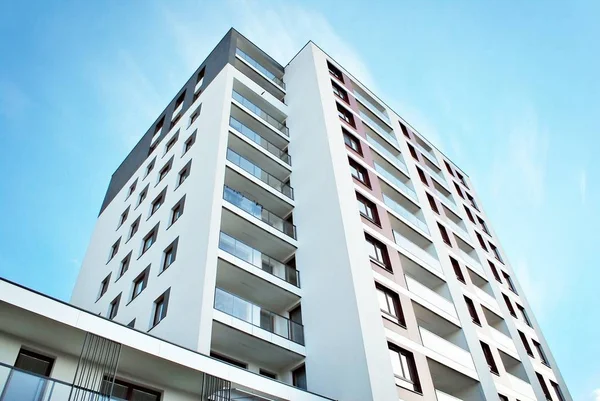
(339, 92)
(150, 239)
(114, 250)
(495, 272)
(487, 352)
(462, 179)
(432, 203)
(334, 71)
(299, 377)
(557, 391)
(496, 253)
(345, 115)
(195, 115)
(104, 286)
(508, 280)
(509, 305)
(404, 130)
(160, 308)
(169, 255)
(524, 315)
(165, 170)
(412, 151)
(184, 173)
(449, 168)
(459, 192)
(545, 389)
(131, 189)
(525, 343)
(472, 311)
(142, 195)
(481, 241)
(131, 324)
(351, 142)
(124, 266)
(404, 367)
(359, 172)
(389, 303)
(229, 360)
(444, 234)
(367, 209)
(172, 142)
(199, 82)
(157, 202)
(177, 110)
(541, 353)
(483, 225)
(134, 227)
(189, 142)
(113, 308)
(177, 211)
(457, 270)
(127, 392)
(469, 215)
(502, 397)
(378, 252)
(33, 362)
(422, 176)
(153, 147)
(140, 283)
(123, 217)
(472, 200)
(150, 167)
(268, 374)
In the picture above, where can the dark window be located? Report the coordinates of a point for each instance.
(157, 202)
(495, 272)
(268, 374)
(525, 343)
(444, 234)
(502, 397)
(448, 168)
(359, 172)
(123, 217)
(524, 315)
(177, 210)
(184, 173)
(172, 142)
(412, 151)
(153, 147)
(496, 252)
(195, 115)
(472, 311)
(150, 167)
(367, 208)
(346, 115)
(160, 308)
(432, 204)
(557, 391)
(198, 87)
(459, 192)
(159, 126)
(113, 308)
(541, 352)
(422, 176)
(189, 142)
(334, 71)
(142, 195)
(472, 201)
(131, 189)
(140, 283)
(389, 303)
(487, 352)
(134, 227)
(128, 392)
(104, 285)
(544, 386)
(481, 241)
(339, 92)
(131, 324)
(457, 270)
(229, 360)
(483, 225)
(165, 170)
(508, 280)
(177, 110)
(33, 362)
(404, 367)
(114, 250)
(299, 377)
(169, 255)
(469, 214)
(378, 252)
(150, 239)
(509, 305)
(352, 142)
(404, 130)
(462, 179)
(124, 266)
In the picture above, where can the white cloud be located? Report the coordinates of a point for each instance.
(583, 186)
(596, 395)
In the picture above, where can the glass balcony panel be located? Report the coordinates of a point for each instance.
(401, 185)
(261, 113)
(260, 68)
(395, 160)
(259, 140)
(378, 128)
(371, 106)
(402, 211)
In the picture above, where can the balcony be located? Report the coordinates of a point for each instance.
(486, 299)
(435, 172)
(521, 386)
(19, 385)
(370, 118)
(426, 150)
(403, 186)
(441, 396)
(516, 375)
(503, 341)
(446, 349)
(394, 157)
(260, 113)
(255, 209)
(432, 299)
(415, 244)
(260, 141)
(452, 385)
(445, 196)
(455, 222)
(260, 68)
(370, 104)
(403, 211)
(259, 173)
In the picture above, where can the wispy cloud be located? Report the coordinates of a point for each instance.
(596, 395)
(582, 179)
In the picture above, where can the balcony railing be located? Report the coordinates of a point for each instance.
(417, 251)
(458, 228)
(261, 113)
(486, 298)
(395, 160)
(434, 173)
(521, 386)
(259, 173)
(248, 205)
(260, 141)
(260, 68)
(258, 259)
(441, 396)
(402, 211)
(377, 127)
(371, 106)
(470, 260)
(446, 348)
(258, 317)
(430, 296)
(443, 196)
(427, 152)
(402, 186)
(503, 340)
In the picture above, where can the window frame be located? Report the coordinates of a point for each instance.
(113, 307)
(152, 234)
(348, 137)
(104, 284)
(160, 314)
(169, 255)
(143, 278)
(408, 367)
(392, 301)
(368, 206)
(457, 270)
(472, 311)
(189, 142)
(346, 115)
(489, 358)
(362, 172)
(184, 173)
(380, 249)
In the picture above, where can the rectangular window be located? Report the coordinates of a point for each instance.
(462, 179)
(502, 397)
(367, 209)
(495, 272)
(150, 167)
(508, 280)
(557, 391)
(412, 151)
(123, 217)
(339, 92)
(131, 324)
(422, 176)
(496, 253)
(32, 362)
(124, 391)
(189, 142)
(195, 115)
(177, 110)
(158, 202)
(404, 367)
(140, 283)
(104, 286)
(524, 315)
(165, 170)
(389, 303)
(131, 189)
(378, 252)
(334, 71)
(487, 352)
(449, 168)
(459, 191)
(359, 172)
(432, 203)
(159, 126)
(124, 266)
(150, 239)
(134, 227)
(472, 311)
(172, 142)
(525, 343)
(199, 82)
(481, 241)
(472, 201)
(509, 305)
(352, 142)
(444, 234)
(299, 377)
(114, 250)
(268, 374)
(540, 351)
(483, 225)
(469, 215)
(160, 308)
(184, 173)
(177, 210)
(404, 130)
(169, 255)
(346, 115)
(142, 195)
(457, 270)
(113, 308)
(545, 389)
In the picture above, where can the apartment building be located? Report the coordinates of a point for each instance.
(279, 233)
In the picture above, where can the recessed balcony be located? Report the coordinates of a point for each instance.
(455, 222)
(426, 150)
(451, 385)
(499, 332)
(371, 104)
(434, 295)
(394, 178)
(445, 196)
(516, 375)
(377, 125)
(469, 255)
(435, 172)
(260, 109)
(276, 77)
(402, 205)
(388, 152)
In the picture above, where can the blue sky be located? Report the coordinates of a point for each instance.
(508, 90)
